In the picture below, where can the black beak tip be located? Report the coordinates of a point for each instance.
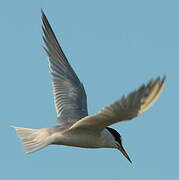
(130, 161)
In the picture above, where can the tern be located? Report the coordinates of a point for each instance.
(77, 128)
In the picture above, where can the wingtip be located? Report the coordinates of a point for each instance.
(43, 16)
(42, 12)
(163, 82)
(157, 80)
(159, 84)
(164, 78)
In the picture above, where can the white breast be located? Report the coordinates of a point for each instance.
(85, 139)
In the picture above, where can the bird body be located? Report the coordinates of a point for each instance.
(77, 128)
(71, 137)
(85, 139)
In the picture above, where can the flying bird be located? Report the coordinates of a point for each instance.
(77, 128)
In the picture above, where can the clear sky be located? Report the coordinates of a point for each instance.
(114, 46)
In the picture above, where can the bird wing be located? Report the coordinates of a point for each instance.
(125, 108)
(69, 93)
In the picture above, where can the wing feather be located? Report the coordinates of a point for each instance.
(69, 94)
(125, 108)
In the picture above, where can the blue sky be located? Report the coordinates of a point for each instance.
(114, 47)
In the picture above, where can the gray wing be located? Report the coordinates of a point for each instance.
(125, 108)
(69, 94)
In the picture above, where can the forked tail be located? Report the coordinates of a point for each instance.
(32, 139)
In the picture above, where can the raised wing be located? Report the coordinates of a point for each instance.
(69, 94)
(125, 108)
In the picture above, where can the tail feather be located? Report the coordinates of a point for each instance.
(32, 139)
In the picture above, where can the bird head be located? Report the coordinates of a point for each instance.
(118, 142)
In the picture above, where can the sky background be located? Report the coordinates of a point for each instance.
(114, 46)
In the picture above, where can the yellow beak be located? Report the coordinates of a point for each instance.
(124, 153)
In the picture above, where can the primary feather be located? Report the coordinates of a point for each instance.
(125, 108)
(69, 94)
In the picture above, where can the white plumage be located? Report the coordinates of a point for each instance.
(76, 127)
